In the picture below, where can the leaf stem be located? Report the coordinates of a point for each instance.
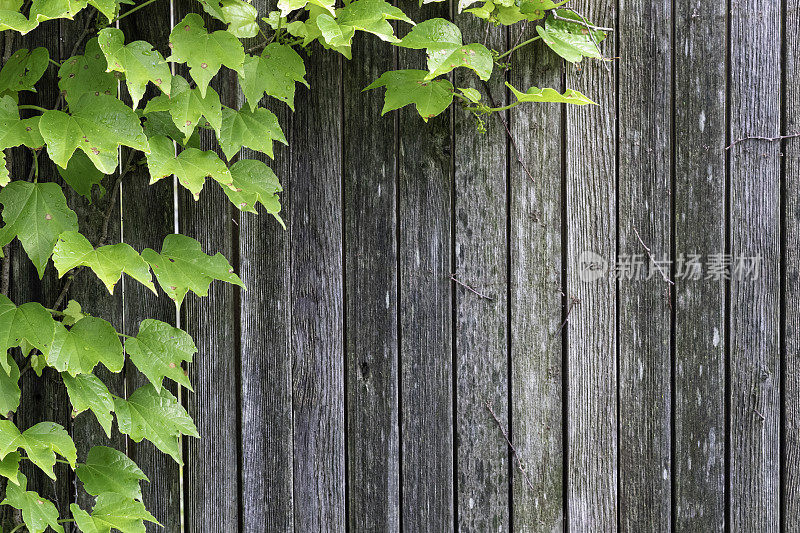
(56, 63)
(520, 45)
(137, 8)
(66, 520)
(33, 107)
(20, 526)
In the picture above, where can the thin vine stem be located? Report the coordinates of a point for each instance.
(134, 10)
(33, 107)
(520, 45)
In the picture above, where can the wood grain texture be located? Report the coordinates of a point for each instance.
(644, 190)
(426, 327)
(266, 357)
(315, 201)
(754, 108)
(700, 215)
(592, 226)
(481, 334)
(536, 300)
(791, 365)
(370, 200)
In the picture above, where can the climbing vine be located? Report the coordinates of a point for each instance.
(82, 134)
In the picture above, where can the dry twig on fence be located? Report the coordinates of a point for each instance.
(573, 301)
(480, 295)
(760, 138)
(520, 465)
(669, 282)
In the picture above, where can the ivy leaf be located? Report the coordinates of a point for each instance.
(204, 52)
(155, 416)
(287, 6)
(37, 214)
(86, 74)
(37, 512)
(9, 467)
(98, 125)
(140, 63)
(404, 87)
(112, 511)
(535, 94)
(23, 69)
(371, 16)
(252, 129)
(108, 262)
(9, 387)
(86, 391)
(186, 106)
(443, 42)
(30, 323)
(110, 471)
(241, 18)
(109, 8)
(255, 183)
(72, 313)
(40, 442)
(161, 123)
(158, 351)
(90, 341)
(275, 72)
(570, 40)
(5, 177)
(182, 266)
(15, 131)
(191, 166)
(82, 175)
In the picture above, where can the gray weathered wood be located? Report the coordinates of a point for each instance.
(754, 108)
(791, 365)
(315, 201)
(591, 226)
(148, 215)
(536, 296)
(700, 214)
(426, 373)
(370, 200)
(266, 360)
(481, 335)
(644, 190)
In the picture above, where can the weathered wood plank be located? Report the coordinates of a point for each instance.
(148, 215)
(791, 366)
(644, 189)
(266, 360)
(426, 358)
(536, 298)
(700, 214)
(481, 336)
(592, 226)
(370, 199)
(754, 107)
(315, 202)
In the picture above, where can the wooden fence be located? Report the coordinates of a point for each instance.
(360, 384)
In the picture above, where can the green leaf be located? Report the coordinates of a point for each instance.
(30, 323)
(5, 177)
(473, 95)
(161, 123)
(287, 6)
(9, 467)
(108, 262)
(41, 10)
(86, 74)
(90, 341)
(109, 8)
(15, 131)
(255, 183)
(159, 350)
(23, 69)
(40, 442)
(535, 94)
(113, 511)
(140, 63)
(110, 471)
(275, 72)
(191, 166)
(404, 87)
(252, 129)
(37, 512)
(204, 52)
(443, 42)
(155, 416)
(371, 16)
(37, 214)
(9, 387)
(182, 267)
(72, 313)
(241, 18)
(98, 125)
(86, 391)
(571, 40)
(186, 106)
(82, 175)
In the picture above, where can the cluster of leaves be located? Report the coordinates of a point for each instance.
(82, 134)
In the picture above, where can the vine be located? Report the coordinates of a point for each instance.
(82, 134)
